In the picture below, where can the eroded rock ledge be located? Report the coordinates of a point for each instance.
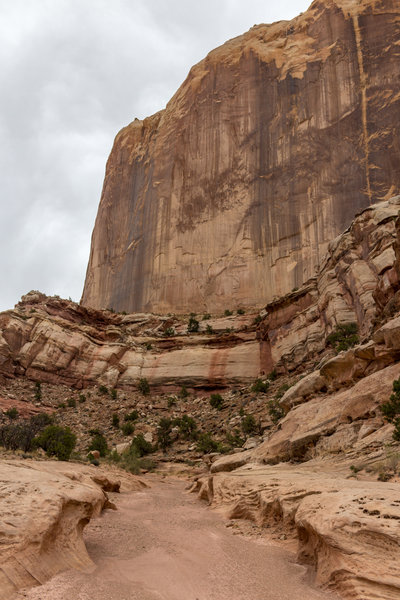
(44, 507)
(347, 530)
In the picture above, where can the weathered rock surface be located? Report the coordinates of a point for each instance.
(348, 530)
(44, 507)
(54, 340)
(265, 154)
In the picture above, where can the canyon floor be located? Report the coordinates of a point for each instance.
(162, 543)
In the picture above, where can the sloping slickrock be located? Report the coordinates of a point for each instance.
(44, 507)
(265, 153)
(347, 530)
(321, 416)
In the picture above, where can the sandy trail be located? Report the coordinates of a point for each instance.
(163, 544)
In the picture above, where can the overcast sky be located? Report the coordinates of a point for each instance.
(72, 73)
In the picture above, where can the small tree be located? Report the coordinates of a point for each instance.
(57, 441)
(249, 425)
(216, 401)
(164, 433)
(143, 386)
(99, 443)
(193, 325)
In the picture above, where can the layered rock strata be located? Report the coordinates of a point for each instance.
(57, 341)
(265, 154)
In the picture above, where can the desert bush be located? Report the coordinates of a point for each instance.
(344, 337)
(38, 390)
(169, 332)
(187, 427)
(99, 443)
(240, 311)
(113, 394)
(143, 386)
(184, 392)
(12, 413)
(234, 439)
(57, 441)
(260, 386)
(209, 329)
(216, 401)
(281, 391)
(249, 425)
(193, 325)
(140, 446)
(128, 428)
(206, 317)
(171, 401)
(164, 433)
(206, 443)
(272, 375)
(103, 389)
(115, 420)
(21, 435)
(275, 411)
(132, 416)
(71, 402)
(228, 312)
(82, 398)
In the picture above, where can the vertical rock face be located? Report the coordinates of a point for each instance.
(273, 143)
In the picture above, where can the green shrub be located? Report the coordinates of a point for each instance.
(228, 313)
(193, 325)
(169, 332)
(132, 416)
(281, 391)
(249, 425)
(344, 337)
(171, 401)
(216, 401)
(273, 375)
(260, 386)
(257, 320)
(99, 443)
(206, 317)
(71, 402)
(240, 311)
(12, 413)
(209, 329)
(143, 386)
(184, 392)
(82, 398)
(276, 412)
(234, 439)
(57, 441)
(187, 427)
(128, 428)
(103, 389)
(140, 447)
(38, 390)
(206, 444)
(113, 394)
(164, 433)
(115, 420)
(21, 435)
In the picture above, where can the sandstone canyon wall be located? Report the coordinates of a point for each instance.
(265, 154)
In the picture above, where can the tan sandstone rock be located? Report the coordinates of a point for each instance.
(265, 153)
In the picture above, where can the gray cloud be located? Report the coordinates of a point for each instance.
(72, 73)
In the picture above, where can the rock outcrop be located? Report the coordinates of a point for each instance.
(263, 156)
(44, 508)
(348, 530)
(58, 341)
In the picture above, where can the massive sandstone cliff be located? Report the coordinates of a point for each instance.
(265, 154)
